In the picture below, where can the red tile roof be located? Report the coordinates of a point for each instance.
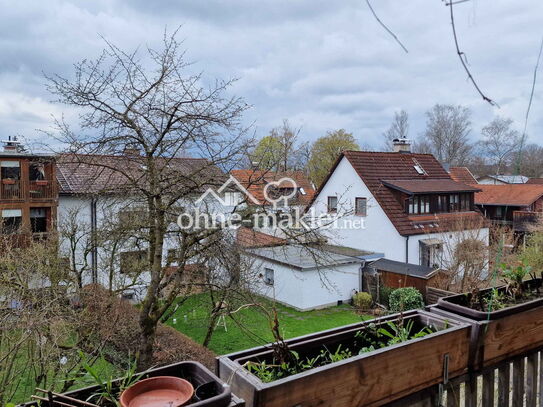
(463, 175)
(536, 181)
(374, 167)
(93, 174)
(255, 181)
(251, 238)
(508, 194)
(421, 186)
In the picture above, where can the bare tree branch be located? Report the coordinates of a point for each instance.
(385, 27)
(463, 58)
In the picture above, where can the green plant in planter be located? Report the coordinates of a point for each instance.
(514, 277)
(404, 299)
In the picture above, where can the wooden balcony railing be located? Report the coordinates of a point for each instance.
(11, 190)
(525, 221)
(21, 190)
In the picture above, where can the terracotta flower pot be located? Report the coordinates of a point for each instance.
(160, 391)
(8, 181)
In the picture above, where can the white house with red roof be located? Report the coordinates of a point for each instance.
(402, 204)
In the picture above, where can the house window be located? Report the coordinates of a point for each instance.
(332, 204)
(232, 198)
(268, 276)
(38, 220)
(361, 206)
(424, 204)
(172, 256)
(499, 212)
(11, 220)
(454, 203)
(10, 170)
(413, 205)
(465, 202)
(431, 254)
(133, 262)
(442, 203)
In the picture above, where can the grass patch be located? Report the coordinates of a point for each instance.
(192, 319)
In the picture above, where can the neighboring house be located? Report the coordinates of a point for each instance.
(462, 175)
(409, 208)
(536, 181)
(96, 203)
(502, 179)
(306, 277)
(28, 193)
(294, 185)
(519, 206)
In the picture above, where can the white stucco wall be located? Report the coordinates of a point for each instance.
(378, 234)
(308, 289)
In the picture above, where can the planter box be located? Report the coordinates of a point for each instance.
(369, 379)
(501, 334)
(194, 372)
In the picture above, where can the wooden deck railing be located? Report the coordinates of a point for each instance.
(515, 382)
(525, 221)
(21, 190)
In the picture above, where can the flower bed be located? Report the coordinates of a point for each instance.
(354, 365)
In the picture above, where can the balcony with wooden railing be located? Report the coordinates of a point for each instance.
(526, 221)
(21, 190)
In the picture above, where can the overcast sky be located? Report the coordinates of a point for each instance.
(321, 64)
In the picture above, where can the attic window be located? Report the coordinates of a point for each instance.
(418, 167)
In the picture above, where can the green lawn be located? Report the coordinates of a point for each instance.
(192, 320)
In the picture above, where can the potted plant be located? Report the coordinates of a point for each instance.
(8, 181)
(367, 363)
(209, 390)
(509, 317)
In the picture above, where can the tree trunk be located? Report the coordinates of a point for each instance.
(147, 340)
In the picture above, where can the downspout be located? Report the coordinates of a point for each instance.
(407, 249)
(94, 248)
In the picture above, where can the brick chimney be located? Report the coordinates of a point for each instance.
(401, 145)
(11, 144)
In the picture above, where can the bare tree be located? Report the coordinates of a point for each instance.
(159, 110)
(499, 141)
(398, 129)
(281, 150)
(447, 133)
(531, 164)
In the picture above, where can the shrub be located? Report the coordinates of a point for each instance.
(384, 295)
(362, 300)
(404, 299)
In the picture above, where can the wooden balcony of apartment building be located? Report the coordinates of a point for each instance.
(526, 221)
(20, 190)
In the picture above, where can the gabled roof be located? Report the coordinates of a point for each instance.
(375, 167)
(508, 179)
(256, 180)
(422, 186)
(463, 175)
(94, 174)
(512, 194)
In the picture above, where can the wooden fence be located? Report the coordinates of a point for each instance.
(516, 382)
